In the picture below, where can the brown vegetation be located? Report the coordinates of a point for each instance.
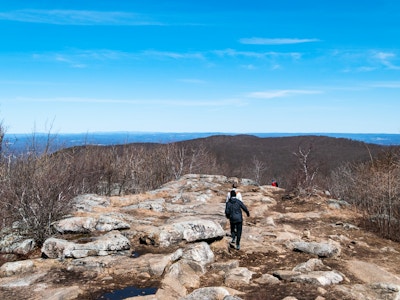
(240, 155)
(36, 188)
(374, 188)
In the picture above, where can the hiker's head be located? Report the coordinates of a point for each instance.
(233, 194)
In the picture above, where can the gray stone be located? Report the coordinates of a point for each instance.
(198, 256)
(309, 266)
(189, 231)
(285, 274)
(56, 248)
(88, 201)
(319, 249)
(267, 279)
(107, 223)
(14, 243)
(374, 291)
(155, 205)
(238, 276)
(75, 225)
(103, 245)
(16, 267)
(225, 266)
(207, 293)
(319, 278)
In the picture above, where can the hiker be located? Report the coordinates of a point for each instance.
(274, 183)
(233, 211)
(238, 194)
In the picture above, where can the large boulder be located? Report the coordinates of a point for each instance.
(89, 224)
(75, 225)
(319, 278)
(209, 293)
(186, 271)
(88, 202)
(323, 249)
(14, 243)
(109, 243)
(189, 231)
(16, 267)
(238, 276)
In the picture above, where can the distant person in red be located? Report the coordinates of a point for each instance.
(274, 183)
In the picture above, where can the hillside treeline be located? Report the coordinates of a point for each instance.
(36, 188)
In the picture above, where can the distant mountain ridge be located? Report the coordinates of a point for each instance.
(232, 155)
(19, 142)
(236, 155)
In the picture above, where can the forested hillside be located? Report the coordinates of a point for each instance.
(277, 158)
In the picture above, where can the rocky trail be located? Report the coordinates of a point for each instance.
(174, 241)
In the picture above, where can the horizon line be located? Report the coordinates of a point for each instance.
(192, 132)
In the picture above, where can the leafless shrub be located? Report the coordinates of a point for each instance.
(35, 192)
(374, 188)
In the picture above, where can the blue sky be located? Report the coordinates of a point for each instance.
(200, 66)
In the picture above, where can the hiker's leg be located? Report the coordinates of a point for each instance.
(238, 232)
(233, 231)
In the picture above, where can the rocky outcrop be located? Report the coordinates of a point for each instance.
(176, 240)
(104, 245)
(186, 230)
(15, 268)
(13, 243)
(89, 224)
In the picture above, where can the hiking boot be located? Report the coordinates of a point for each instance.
(233, 241)
(237, 247)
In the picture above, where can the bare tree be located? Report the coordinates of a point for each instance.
(307, 170)
(258, 168)
(186, 160)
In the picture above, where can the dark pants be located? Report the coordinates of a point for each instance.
(236, 231)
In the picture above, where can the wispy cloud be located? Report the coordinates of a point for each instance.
(366, 61)
(254, 54)
(78, 17)
(203, 103)
(386, 59)
(192, 80)
(78, 100)
(281, 93)
(388, 84)
(174, 55)
(275, 41)
(249, 67)
(158, 102)
(80, 58)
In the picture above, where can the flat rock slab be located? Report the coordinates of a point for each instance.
(371, 273)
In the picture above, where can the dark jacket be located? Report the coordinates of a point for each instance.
(233, 210)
